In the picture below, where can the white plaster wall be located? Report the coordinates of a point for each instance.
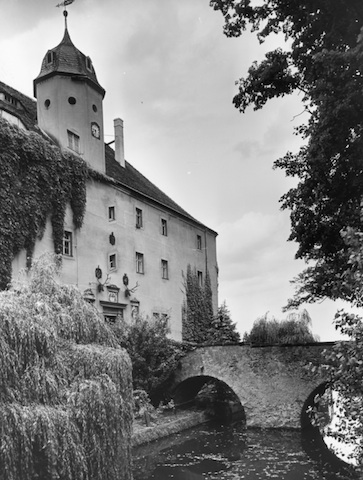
(60, 116)
(91, 248)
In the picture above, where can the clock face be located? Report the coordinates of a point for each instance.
(95, 130)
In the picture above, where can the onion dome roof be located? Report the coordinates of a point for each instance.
(66, 59)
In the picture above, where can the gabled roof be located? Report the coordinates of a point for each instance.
(127, 177)
(130, 178)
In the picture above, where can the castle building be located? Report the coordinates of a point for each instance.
(135, 242)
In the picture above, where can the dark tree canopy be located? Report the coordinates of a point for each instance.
(323, 59)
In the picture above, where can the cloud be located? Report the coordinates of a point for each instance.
(254, 245)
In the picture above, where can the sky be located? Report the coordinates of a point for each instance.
(169, 72)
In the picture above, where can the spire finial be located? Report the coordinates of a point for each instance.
(65, 13)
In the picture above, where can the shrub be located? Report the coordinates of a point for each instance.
(154, 356)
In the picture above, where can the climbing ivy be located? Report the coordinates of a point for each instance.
(37, 180)
(199, 323)
(197, 309)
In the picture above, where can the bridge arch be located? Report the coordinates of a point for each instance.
(272, 383)
(208, 392)
(310, 402)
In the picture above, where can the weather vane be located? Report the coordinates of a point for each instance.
(65, 3)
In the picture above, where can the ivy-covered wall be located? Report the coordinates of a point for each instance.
(37, 180)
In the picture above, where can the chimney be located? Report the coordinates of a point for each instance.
(119, 141)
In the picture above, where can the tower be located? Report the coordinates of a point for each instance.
(69, 101)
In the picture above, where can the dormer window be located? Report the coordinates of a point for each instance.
(9, 99)
(50, 57)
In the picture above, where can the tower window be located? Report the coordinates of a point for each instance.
(73, 141)
(199, 242)
(67, 244)
(47, 103)
(72, 101)
(139, 262)
(200, 278)
(94, 108)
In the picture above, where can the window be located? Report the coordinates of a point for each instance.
(164, 317)
(112, 312)
(9, 99)
(164, 227)
(67, 244)
(200, 278)
(164, 269)
(50, 57)
(139, 262)
(112, 264)
(73, 141)
(199, 242)
(111, 214)
(138, 218)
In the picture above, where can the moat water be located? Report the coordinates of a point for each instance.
(229, 452)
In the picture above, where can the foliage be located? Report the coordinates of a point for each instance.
(223, 330)
(294, 329)
(323, 59)
(37, 181)
(153, 355)
(343, 365)
(198, 307)
(65, 385)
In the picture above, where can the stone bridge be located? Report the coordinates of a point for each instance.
(272, 383)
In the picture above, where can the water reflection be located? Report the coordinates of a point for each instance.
(229, 452)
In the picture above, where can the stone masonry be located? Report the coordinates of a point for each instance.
(272, 383)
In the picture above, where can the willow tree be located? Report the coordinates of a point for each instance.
(65, 385)
(295, 329)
